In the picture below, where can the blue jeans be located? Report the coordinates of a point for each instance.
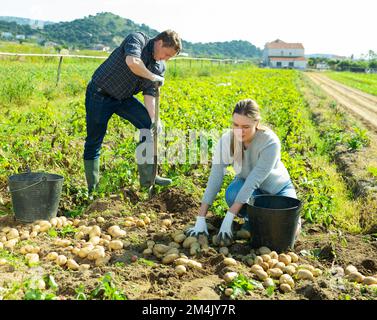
(236, 185)
(100, 108)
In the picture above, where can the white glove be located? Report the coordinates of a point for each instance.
(157, 78)
(226, 227)
(157, 127)
(200, 227)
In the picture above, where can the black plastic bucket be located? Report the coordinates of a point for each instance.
(35, 195)
(274, 221)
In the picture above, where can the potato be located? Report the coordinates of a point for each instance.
(194, 248)
(3, 261)
(174, 245)
(102, 261)
(83, 253)
(25, 235)
(256, 267)
(274, 255)
(116, 231)
(150, 244)
(215, 240)
(294, 256)
(44, 226)
(275, 273)
(369, 280)
(258, 260)
(179, 238)
(203, 241)
(36, 228)
(10, 244)
(147, 220)
(180, 269)
(272, 263)
(170, 258)
(95, 240)
(266, 257)
(243, 234)
(161, 248)
(265, 266)
(230, 276)
(166, 223)
(54, 221)
(286, 278)
(350, 269)
(32, 258)
(307, 267)
(181, 261)
(194, 264)
(96, 253)
(355, 277)
(280, 265)
(304, 274)
(72, 264)
(95, 231)
(75, 251)
(147, 252)
(264, 250)
(1, 246)
(52, 256)
(291, 270)
(286, 259)
(262, 275)
(100, 220)
(228, 292)
(230, 262)
(224, 251)
(140, 224)
(116, 245)
(61, 260)
(285, 287)
(188, 241)
(12, 234)
(268, 283)
(5, 229)
(129, 224)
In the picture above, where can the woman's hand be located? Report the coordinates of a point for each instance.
(226, 227)
(200, 227)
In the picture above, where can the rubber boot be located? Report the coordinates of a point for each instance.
(146, 176)
(91, 174)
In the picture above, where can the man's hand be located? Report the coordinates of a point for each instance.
(226, 227)
(156, 78)
(200, 227)
(156, 128)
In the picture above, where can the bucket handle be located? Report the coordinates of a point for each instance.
(32, 185)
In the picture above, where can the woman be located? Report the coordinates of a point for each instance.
(254, 152)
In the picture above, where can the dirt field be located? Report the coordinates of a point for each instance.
(361, 104)
(149, 278)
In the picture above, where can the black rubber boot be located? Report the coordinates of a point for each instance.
(146, 176)
(91, 174)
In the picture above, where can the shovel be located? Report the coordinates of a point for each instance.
(151, 190)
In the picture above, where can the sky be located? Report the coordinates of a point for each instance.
(342, 27)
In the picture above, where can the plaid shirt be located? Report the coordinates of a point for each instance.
(116, 78)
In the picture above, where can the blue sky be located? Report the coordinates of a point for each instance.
(341, 27)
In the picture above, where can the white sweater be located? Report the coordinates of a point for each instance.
(261, 167)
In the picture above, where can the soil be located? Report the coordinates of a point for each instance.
(148, 278)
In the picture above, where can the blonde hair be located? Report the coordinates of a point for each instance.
(250, 109)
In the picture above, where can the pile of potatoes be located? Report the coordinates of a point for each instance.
(170, 253)
(352, 274)
(89, 243)
(271, 267)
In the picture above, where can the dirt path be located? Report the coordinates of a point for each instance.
(361, 104)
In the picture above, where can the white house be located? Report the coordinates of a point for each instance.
(280, 54)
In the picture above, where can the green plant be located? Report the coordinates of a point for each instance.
(107, 290)
(68, 230)
(358, 139)
(242, 284)
(80, 293)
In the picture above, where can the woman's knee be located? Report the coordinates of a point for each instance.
(232, 191)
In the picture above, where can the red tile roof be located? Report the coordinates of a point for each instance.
(279, 44)
(287, 58)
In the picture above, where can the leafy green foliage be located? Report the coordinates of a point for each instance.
(106, 290)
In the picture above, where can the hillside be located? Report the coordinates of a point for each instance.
(25, 21)
(108, 29)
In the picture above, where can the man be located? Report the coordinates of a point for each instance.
(137, 65)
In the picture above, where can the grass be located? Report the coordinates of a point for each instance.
(361, 81)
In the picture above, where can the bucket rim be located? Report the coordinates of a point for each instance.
(276, 209)
(46, 176)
